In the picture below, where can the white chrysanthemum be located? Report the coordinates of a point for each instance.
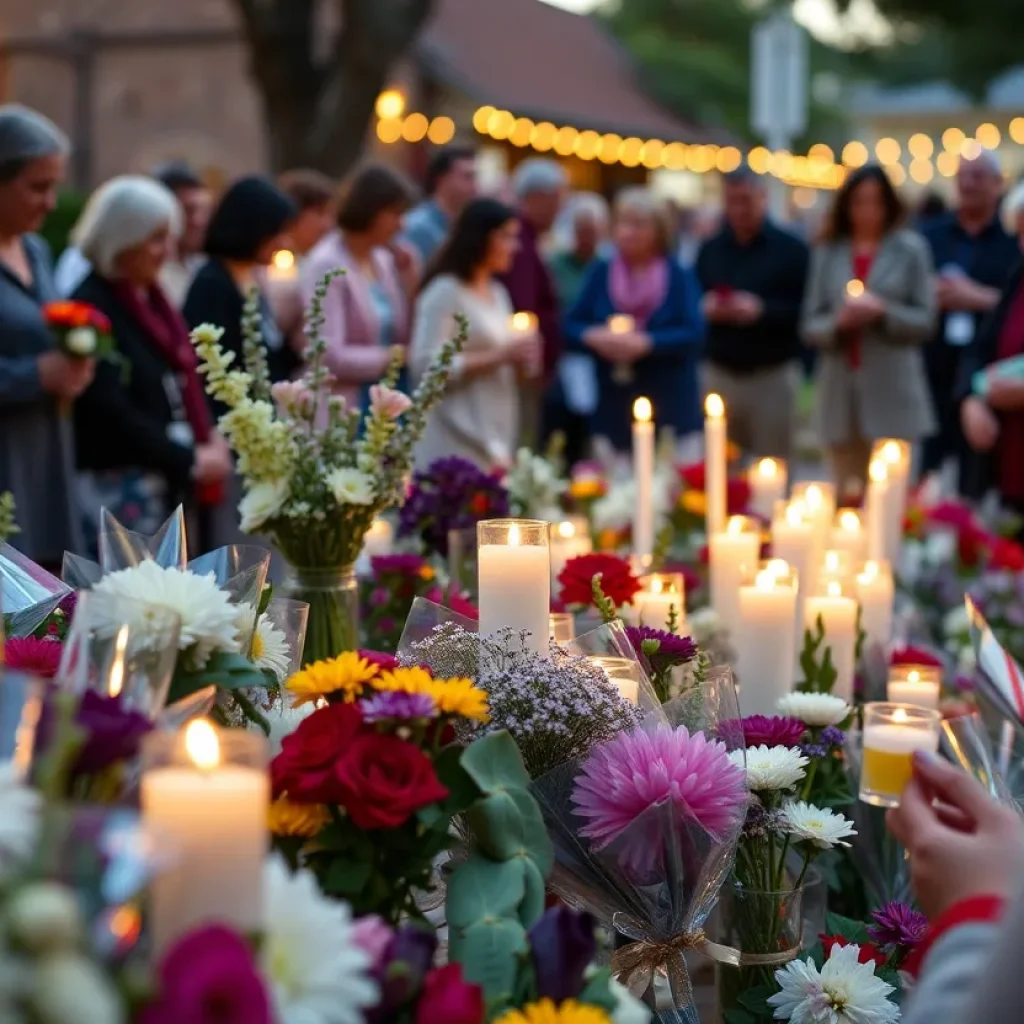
(350, 486)
(315, 972)
(262, 502)
(270, 649)
(771, 768)
(814, 709)
(19, 820)
(817, 825)
(208, 618)
(844, 992)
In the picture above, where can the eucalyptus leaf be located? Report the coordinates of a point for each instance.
(489, 952)
(485, 889)
(226, 670)
(494, 763)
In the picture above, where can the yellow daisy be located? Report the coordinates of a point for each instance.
(405, 680)
(546, 1012)
(348, 673)
(287, 819)
(459, 697)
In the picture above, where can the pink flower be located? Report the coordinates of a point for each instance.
(32, 655)
(388, 402)
(372, 936)
(292, 397)
(379, 597)
(637, 770)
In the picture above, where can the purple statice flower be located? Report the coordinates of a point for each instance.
(963, 684)
(400, 564)
(777, 731)
(833, 736)
(671, 650)
(394, 705)
(899, 926)
(813, 750)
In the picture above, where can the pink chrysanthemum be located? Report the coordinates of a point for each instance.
(32, 655)
(637, 770)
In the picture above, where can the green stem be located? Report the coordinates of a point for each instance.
(250, 711)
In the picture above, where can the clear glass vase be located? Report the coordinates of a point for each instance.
(333, 598)
(759, 924)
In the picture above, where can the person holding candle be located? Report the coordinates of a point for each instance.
(478, 419)
(642, 281)
(869, 308)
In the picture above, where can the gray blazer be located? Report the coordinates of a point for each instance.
(888, 396)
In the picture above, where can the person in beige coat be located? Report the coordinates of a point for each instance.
(870, 306)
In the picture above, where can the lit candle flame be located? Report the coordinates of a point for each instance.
(566, 529)
(899, 715)
(855, 288)
(878, 471)
(913, 676)
(714, 407)
(778, 567)
(835, 588)
(514, 538)
(284, 260)
(892, 453)
(736, 524)
(656, 585)
(523, 323)
(621, 323)
(115, 683)
(765, 581)
(849, 521)
(768, 468)
(642, 411)
(202, 745)
(814, 497)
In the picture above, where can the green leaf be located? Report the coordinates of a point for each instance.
(494, 763)
(737, 1016)
(531, 909)
(226, 670)
(498, 826)
(489, 951)
(853, 931)
(599, 992)
(537, 843)
(462, 790)
(756, 999)
(484, 888)
(347, 877)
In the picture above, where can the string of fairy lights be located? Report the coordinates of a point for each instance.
(820, 167)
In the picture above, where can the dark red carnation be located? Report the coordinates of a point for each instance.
(385, 662)
(914, 656)
(869, 952)
(617, 579)
(382, 780)
(305, 767)
(447, 999)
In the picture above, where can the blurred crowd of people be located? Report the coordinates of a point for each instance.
(573, 308)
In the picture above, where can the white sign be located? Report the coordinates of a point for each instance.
(778, 102)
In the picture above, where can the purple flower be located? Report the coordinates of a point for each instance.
(400, 565)
(379, 597)
(833, 736)
(813, 750)
(772, 732)
(400, 975)
(898, 925)
(562, 945)
(386, 624)
(964, 684)
(68, 604)
(672, 650)
(112, 734)
(392, 705)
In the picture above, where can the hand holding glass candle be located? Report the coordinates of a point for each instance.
(767, 479)
(854, 288)
(893, 733)
(524, 325)
(715, 464)
(919, 685)
(661, 593)
(643, 479)
(622, 323)
(731, 554)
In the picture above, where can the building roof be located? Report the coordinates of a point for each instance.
(545, 63)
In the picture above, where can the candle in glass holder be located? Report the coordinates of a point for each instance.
(765, 639)
(876, 592)
(767, 479)
(838, 614)
(514, 573)
(660, 594)
(855, 288)
(643, 478)
(205, 793)
(893, 733)
(283, 266)
(731, 554)
(848, 534)
(379, 539)
(884, 513)
(715, 464)
(569, 539)
(919, 685)
(563, 627)
(622, 323)
(623, 672)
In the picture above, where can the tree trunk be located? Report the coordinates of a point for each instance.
(318, 113)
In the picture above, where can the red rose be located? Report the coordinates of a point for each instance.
(617, 579)
(447, 999)
(381, 780)
(869, 952)
(737, 496)
(692, 476)
(305, 767)
(1005, 555)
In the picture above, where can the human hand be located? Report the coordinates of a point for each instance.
(525, 351)
(1004, 394)
(980, 424)
(960, 841)
(65, 376)
(959, 292)
(746, 308)
(211, 462)
(715, 307)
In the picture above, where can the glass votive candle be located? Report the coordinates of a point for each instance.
(563, 627)
(893, 733)
(919, 685)
(662, 592)
(623, 672)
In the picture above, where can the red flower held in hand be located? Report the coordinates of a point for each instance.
(447, 999)
(305, 767)
(617, 579)
(382, 780)
(869, 953)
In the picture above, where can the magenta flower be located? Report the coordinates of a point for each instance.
(637, 770)
(379, 597)
(388, 402)
(672, 650)
(898, 926)
(394, 705)
(760, 730)
(385, 662)
(34, 656)
(400, 564)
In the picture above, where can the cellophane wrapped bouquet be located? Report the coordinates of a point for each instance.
(315, 472)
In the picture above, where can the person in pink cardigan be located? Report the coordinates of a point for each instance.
(367, 308)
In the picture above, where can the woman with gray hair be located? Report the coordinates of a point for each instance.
(36, 380)
(144, 433)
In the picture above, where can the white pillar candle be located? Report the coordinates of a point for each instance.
(715, 463)
(205, 794)
(848, 534)
(624, 673)
(795, 541)
(876, 592)
(731, 556)
(764, 640)
(819, 499)
(643, 479)
(920, 685)
(838, 566)
(661, 593)
(569, 539)
(885, 514)
(838, 614)
(897, 457)
(767, 479)
(514, 572)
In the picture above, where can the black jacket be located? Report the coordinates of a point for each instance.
(122, 420)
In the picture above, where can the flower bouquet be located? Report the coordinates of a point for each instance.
(316, 473)
(536, 486)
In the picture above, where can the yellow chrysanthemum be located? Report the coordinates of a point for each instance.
(694, 502)
(547, 1012)
(586, 488)
(459, 697)
(347, 674)
(404, 680)
(304, 820)
(426, 573)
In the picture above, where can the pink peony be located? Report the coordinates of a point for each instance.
(637, 770)
(32, 655)
(388, 402)
(292, 397)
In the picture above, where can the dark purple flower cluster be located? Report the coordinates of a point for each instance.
(450, 494)
(898, 927)
(112, 734)
(661, 648)
(777, 731)
(400, 564)
(833, 737)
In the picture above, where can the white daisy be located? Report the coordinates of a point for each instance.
(814, 709)
(817, 825)
(350, 487)
(19, 820)
(844, 992)
(315, 971)
(208, 618)
(771, 768)
(262, 502)
(270, 648)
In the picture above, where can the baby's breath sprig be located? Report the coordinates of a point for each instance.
(254, 352)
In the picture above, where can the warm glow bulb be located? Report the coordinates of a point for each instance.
(913, 676)
(642, 411)
(849, 521)
(202, 745)
(522, 322)
(513, 536)
(855, 288)
(390, 104)
(714, 406)
(878, 471)
(566, 529)
(768, 468)
(284, 259)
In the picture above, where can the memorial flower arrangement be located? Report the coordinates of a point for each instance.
(387, 594)
(618, 582)
(315, 472)
(675, 662)
(535, 485)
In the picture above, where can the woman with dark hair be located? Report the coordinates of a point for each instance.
(870, 306)
(479, 417)
(248, 226)
(367, 307)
